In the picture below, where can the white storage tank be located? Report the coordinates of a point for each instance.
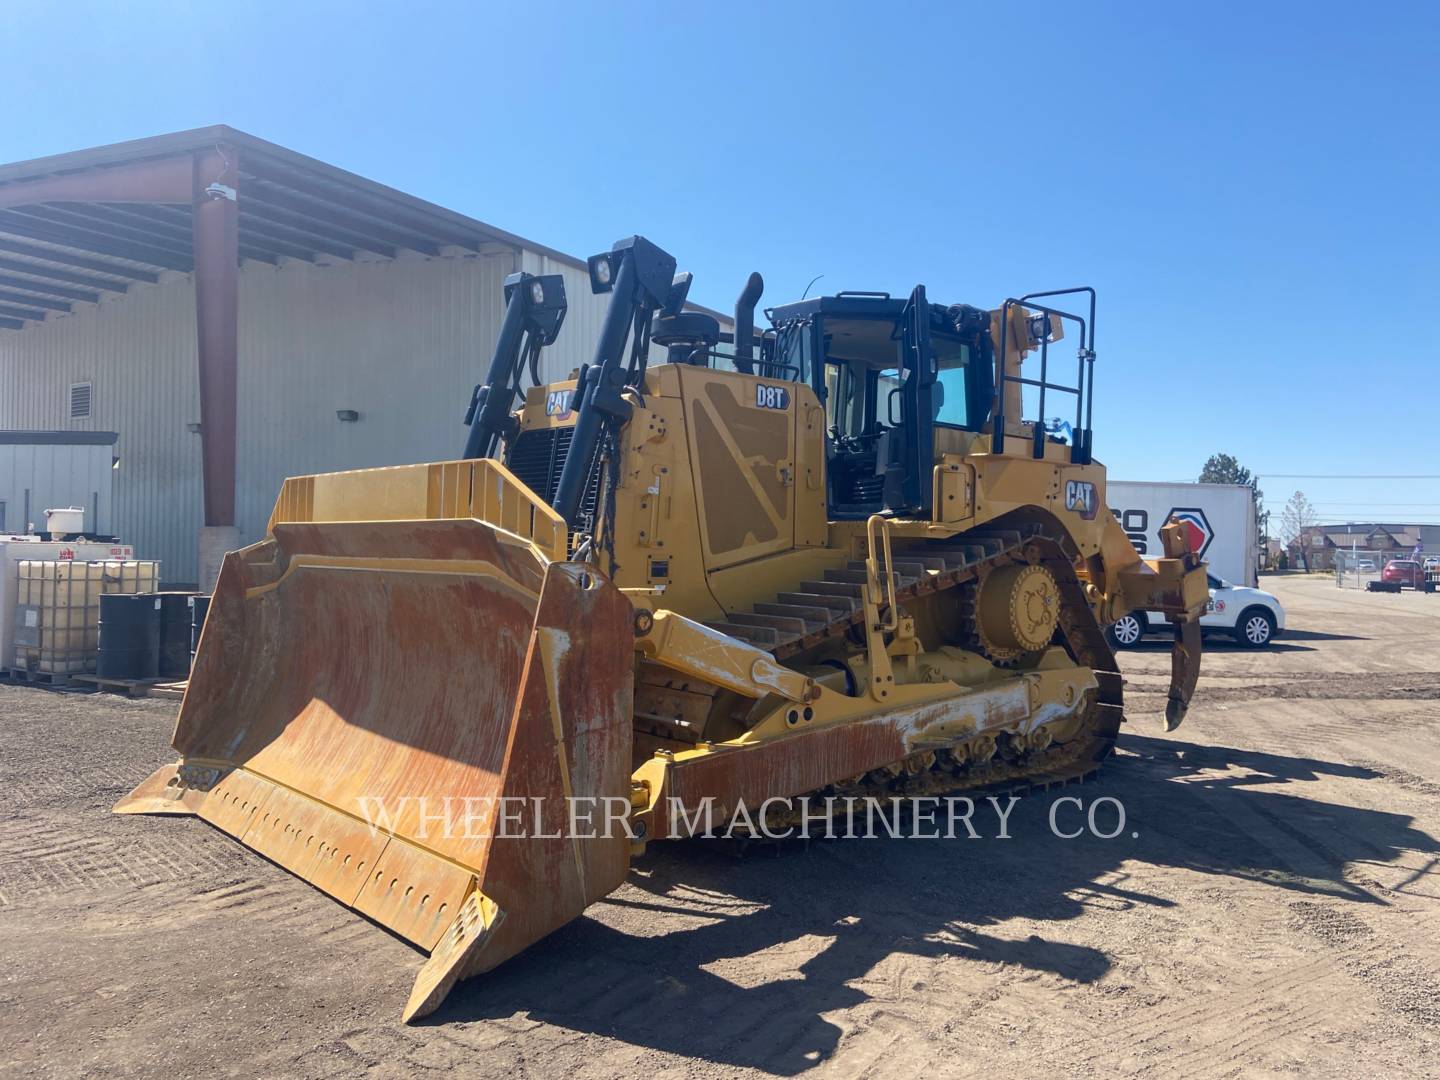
(64, 521)
(17, 549)
(57, 610)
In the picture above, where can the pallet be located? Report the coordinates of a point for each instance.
(128, 687)
(53, 680)
(162, 687)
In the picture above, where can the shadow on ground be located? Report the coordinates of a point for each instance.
(1288, 641)
(1217, 643)
(1317, 635)
(841, 907)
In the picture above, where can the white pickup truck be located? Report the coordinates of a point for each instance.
(1252, 616)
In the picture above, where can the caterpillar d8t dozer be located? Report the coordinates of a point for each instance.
(830, 561)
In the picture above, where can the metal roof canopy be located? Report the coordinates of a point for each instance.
(75, 226)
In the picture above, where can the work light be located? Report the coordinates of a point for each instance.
(602, 272)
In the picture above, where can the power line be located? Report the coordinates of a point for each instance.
(1347, 476)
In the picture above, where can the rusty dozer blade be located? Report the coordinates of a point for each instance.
(369, 699)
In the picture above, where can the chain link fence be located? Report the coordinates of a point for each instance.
(1357, 568)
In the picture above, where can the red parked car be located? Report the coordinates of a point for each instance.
(1398, 574)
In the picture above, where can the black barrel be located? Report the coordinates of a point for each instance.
(175, 633)
(199, 605)
(129, 636)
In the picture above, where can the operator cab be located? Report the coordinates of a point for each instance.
(902, 381)
(889, 373)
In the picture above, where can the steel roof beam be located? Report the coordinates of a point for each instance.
(284, 240)
(174, 218)
(53, 290)
(16, 247)
(90, 241)
(73, 216)
(317, 209)
(34, 301)
(21, 313)
(267, 222)
(293, 235)
(165, 180)
(167, 233)
(175, 226)
(307, 224)
(12, 324)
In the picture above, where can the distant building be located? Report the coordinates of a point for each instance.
(1317, 545)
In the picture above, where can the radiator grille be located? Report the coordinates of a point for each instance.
(537, 457)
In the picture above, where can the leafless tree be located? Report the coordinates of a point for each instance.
(1298, 516)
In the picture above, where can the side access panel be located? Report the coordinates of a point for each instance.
(741, 431)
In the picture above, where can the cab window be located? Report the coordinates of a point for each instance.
(950, 397)
(964, 384)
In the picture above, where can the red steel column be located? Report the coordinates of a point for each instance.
(216, 227)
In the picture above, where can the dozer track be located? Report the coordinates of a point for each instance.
(800, 620)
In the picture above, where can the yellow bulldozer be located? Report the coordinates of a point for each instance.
(758, 571)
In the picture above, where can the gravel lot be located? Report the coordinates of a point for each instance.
(1272, 907)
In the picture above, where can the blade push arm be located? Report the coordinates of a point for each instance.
(534, 309)
(639, 276)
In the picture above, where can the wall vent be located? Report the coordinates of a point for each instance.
(80, 400)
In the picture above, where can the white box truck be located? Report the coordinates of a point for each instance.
(1221, 519)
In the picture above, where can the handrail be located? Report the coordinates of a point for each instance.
(891, 621)
(882, 673)
(1084, 391)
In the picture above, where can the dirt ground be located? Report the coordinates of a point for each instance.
(1271, 907)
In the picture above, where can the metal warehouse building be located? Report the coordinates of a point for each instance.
(238, 313)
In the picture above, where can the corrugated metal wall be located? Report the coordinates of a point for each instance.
(139, 352)
(401, 342)
(47, 475)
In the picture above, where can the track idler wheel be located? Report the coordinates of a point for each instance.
(1018, 610)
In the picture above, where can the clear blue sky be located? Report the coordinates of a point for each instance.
(1253, 188)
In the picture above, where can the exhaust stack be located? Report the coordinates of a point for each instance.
(745, 323)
